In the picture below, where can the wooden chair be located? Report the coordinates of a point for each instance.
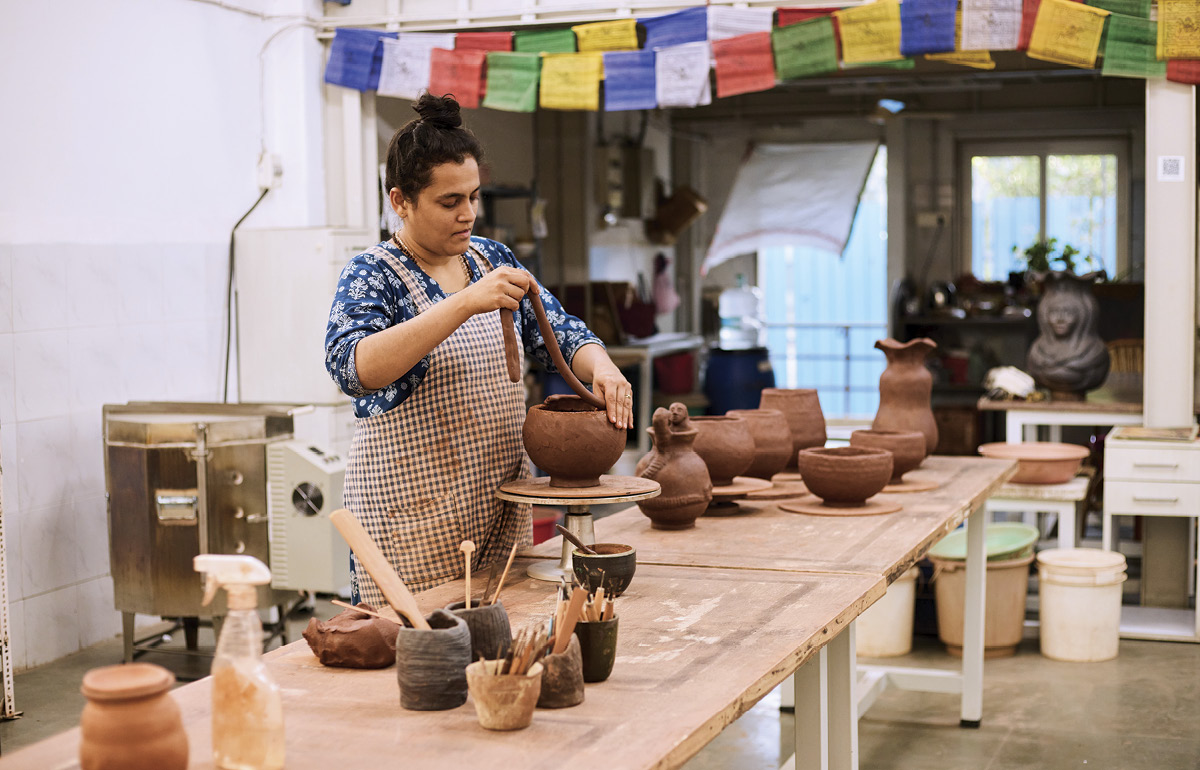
(1127, 356)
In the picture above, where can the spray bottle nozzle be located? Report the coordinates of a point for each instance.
(229, 571)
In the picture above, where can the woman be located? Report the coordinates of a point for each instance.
(415, 338)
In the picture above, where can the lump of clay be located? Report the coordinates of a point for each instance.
(353, 639)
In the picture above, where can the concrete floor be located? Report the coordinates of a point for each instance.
(1137, 712)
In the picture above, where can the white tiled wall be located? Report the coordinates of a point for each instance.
(81, 326)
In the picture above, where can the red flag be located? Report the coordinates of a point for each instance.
(1184, 71)
(459, 73)
(483, 41)
(789, 16)
(744, 64)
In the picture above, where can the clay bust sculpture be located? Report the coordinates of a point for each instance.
(1068, 357)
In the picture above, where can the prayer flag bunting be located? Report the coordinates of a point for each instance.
(1029, 9)
(512, 81)
(891, 64)
(571, 81)
(687, 26)
(484, 41)
(629, 81)
(790, 16)
(355, 58)
(805, 49)
(980, 60)
(927, 26)
(725, 22)
(459, 73)
(1067, 33)
(744, 64)
(870, 33)
(1139, 8)
(1178, 29)
(1184, 71)
(1129, 49)
(406, 62)
(681, 75)
(619, 35)
(991, 25)
(544, 41)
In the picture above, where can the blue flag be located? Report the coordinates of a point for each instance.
(688, 26)
(927, 26)
(629, 81)
(356, 58)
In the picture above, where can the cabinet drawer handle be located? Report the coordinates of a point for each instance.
(1156, 465)
(1137, 499)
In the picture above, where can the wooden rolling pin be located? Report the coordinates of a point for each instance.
(376, 565)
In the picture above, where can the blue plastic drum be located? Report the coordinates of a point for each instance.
(735, 379)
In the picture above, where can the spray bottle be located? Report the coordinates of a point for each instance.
(247, 727)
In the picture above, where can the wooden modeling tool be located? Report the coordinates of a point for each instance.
(562, 637)
(376, 565)
(365, 611)
(512, 555)
(576, 541)
(468, 548)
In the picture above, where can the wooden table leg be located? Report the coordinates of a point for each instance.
(811, 687)
(973, 619)
(843, 705)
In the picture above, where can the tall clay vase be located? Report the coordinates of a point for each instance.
(130, 721)
(805, 420)
(674, 464)
(772, 441)
(905, 388)
(1068, 357)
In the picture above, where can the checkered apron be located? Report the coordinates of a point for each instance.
(422, 477)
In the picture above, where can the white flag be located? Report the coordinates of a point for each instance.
(681, 75)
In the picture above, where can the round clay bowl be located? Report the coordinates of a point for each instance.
(907, 447)
(845, 475)
(1039, 462)
(772, 441)
(572, 440)
(614, 564)
(725, 445)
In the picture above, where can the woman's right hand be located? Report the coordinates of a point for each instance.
(501, 289)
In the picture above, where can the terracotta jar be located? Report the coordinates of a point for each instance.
(725, 445)
(907, 448)
(130, 721)
(905, 388)
(572, 440)
(845, 475)
(802, 409)
(772, 441)
(674, 464)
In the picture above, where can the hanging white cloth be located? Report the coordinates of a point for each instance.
(792, 195)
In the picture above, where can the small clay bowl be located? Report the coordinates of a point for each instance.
(725, 445)
(614, 563)
(504, 701)
(845, 475)
(772, 441)
(491, 634)
(907, 448)
(1039, 462)
(598, 644)
(572, 440)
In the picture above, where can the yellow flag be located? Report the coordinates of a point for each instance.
(870, 33)
(980, 60)
(571, 81)
(620, 35)
(1067, 33)
(1178, 33)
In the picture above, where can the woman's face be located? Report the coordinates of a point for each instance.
(1062, 321)
(439, 221)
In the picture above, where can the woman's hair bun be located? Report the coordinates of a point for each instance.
(440, 111)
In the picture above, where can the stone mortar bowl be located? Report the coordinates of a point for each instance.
(845, 475)
(572, 440)
(725, 445)
(612, 566)
(907, 447)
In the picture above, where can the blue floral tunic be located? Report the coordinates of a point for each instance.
(370, 297)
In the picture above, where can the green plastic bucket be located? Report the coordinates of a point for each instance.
(1005, 541)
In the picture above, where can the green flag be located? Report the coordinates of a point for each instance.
(1129, 50)
(544, 41)
(804, 49)
(1139, 8)
(512, 81)
(897, 64)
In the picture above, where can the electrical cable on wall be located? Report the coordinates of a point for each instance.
(229, 298)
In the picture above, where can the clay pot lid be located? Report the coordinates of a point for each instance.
(1034, 450)
(124, 682)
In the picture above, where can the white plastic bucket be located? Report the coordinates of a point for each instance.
(885, 630)
(1080, 600)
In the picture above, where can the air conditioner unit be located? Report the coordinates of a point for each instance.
(304, 486)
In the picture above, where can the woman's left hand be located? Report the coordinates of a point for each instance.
(611, 385)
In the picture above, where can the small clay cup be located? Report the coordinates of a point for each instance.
(562, 680)
(725, 445)
(572, 440)
(504, 701)
(491, 634)
(907, 448)
(805, 420)
(845, 475)
(614, 564)
(431, 665)
(130, 721)
(598, 643)
(772, 441)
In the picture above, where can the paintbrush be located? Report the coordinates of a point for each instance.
(512, 555)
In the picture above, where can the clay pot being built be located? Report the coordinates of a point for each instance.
(845, 475)
(772, 441)
(725, 445)
(674, 464)
(905, 388)
(572, 441)
(802, 409)
(130, 721)
(907, 448)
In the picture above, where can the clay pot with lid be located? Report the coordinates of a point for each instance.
(725, 445)
(905, 389)
(907, 448)
(572, 441)
(772, 441)
(673, 463)
(130, 721)
(845, 475)
(805, 421)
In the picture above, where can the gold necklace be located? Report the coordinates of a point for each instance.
(412, 253)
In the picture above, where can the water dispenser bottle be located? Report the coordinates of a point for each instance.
(740, 309)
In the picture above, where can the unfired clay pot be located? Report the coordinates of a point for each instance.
(726, 446)
(845, 475)
(674, 464)
(907, 448)
(130, 721)
(772, 441)
(802, 409)
(572, 441)
(905, 388)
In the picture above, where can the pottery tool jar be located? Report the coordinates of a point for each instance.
(610, 568)
(562, 679)
(130, 721)
(598, 646)
(488, 624)
(504, 701)
(431, 663)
